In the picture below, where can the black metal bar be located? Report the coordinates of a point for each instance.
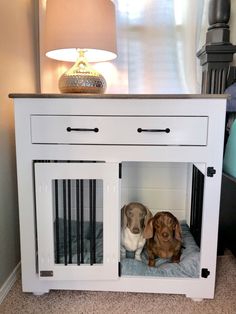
(69, 220)
(166, 130)
(69, 129)
(193, 200)
(57, 223)
(120, 170)
(91, 219)
(82, 220)
(94, 221)
(78, 220)
(196, 205)
(65, 221)
(200, 189)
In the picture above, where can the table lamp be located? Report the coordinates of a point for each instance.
(82, 31)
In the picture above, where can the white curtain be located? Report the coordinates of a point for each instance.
(157, 45)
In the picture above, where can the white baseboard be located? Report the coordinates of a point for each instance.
(6, 287)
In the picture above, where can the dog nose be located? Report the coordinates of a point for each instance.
(135, 230)
(165, 234)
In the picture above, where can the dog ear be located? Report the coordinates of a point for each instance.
(148, 216)
(178, 231)
(124, 220)
(148, 230)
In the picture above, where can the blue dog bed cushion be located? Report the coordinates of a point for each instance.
(187, 267)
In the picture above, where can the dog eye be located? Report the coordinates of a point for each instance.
(130, 214)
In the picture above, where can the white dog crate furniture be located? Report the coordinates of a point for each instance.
(80, 158)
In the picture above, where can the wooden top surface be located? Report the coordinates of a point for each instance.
(121, 96)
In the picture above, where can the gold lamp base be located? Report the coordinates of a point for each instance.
(82, 78)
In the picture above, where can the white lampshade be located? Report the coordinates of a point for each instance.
(80, 24)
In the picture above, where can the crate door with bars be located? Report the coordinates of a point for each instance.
(77, 219)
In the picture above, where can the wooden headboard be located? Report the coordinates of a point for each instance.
(217, 53)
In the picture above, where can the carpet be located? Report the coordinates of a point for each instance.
(63, 302)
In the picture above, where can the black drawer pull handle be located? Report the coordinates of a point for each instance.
(167, 130)
(69, 129)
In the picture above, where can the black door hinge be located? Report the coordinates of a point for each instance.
(205, 272)
(119, 269)
(211, 171)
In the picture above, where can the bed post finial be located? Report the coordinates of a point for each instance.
(219, 13)
(218, 18)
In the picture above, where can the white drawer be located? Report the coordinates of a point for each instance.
(117, 130)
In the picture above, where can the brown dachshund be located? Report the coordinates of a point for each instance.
(164, 238)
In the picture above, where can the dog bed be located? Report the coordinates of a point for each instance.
(187, 267)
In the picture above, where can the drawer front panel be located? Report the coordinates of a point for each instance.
(116, 130)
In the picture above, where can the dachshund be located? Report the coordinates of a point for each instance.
(164, 237)
(134, 217)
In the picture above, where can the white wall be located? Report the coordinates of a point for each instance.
(159, 186)
(17, 74)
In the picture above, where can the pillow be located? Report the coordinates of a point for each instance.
(231, 101)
